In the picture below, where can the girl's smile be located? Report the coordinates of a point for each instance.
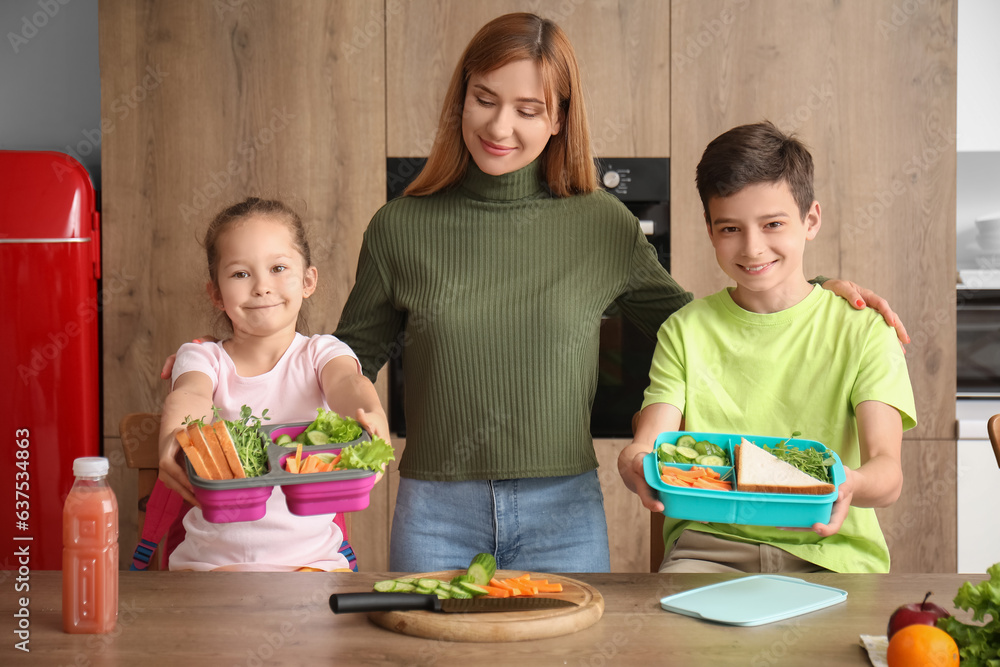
(262, 278)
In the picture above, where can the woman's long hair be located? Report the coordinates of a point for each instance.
(567, 165)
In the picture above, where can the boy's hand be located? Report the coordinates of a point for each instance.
(840, 506)
(860, 298)
(630, 469)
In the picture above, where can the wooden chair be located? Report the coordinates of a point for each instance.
(140, 433)
(655, 526)
(993, 428)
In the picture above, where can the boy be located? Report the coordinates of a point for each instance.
(771, 356)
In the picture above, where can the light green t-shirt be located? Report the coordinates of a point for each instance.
(804, 369)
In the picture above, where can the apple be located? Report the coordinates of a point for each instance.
(921, 613)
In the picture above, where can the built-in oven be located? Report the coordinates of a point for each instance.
(978, 398)
(643, 185)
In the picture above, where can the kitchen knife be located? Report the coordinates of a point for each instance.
(344, 603)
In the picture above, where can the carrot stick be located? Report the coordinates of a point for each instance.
(496, 592)
(549, 588)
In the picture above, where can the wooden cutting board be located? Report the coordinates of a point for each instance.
(506, 626)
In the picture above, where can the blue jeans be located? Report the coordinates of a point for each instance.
(544, 524)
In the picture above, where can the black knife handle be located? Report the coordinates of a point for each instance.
(346, 603)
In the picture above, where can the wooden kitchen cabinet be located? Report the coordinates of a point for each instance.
(304, 101)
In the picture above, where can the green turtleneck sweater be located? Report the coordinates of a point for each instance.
(493, 292)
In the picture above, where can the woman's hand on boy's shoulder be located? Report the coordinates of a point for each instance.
(861, 297)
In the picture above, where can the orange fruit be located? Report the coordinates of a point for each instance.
(922, 646)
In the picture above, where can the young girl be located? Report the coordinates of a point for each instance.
(494, 274)
(260, 273)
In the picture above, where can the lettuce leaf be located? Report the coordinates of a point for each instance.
(978, 645)
(337, 428)
(372, 455)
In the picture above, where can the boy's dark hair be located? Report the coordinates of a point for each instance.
(751, 154)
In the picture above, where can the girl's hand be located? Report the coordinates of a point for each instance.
(859, 297)
(171, 473)
(375, 423)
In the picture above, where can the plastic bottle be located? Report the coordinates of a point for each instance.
(90, 550)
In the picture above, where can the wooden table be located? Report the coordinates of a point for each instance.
(257, 619)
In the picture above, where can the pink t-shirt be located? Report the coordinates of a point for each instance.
(291, 392)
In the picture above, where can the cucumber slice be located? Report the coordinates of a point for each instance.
(317, 438)
(429, 583)
(473, 589)
(385, 586)
(403, 587)
(666, 449)
(482, 568)
(284, 439)
(667, 458)
(709, 460)
(703, 447)
(685, 441)
(458, 580)
(459, 594)
(688, 453)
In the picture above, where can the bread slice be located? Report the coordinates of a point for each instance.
(759, 471)
(192, 453)
(215, 462)
(228, 449)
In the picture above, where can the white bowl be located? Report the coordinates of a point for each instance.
(989, 224)
(988, 243)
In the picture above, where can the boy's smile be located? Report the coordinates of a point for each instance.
(759, 239)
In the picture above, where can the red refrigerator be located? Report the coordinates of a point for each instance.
(50, 260)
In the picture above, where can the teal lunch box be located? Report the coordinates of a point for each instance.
(785, 510)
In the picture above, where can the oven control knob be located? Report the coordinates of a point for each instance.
(611, 179)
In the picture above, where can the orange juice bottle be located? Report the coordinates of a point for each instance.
(90, 550)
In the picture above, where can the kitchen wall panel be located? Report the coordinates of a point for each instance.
(206, 103)
(871, 90)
